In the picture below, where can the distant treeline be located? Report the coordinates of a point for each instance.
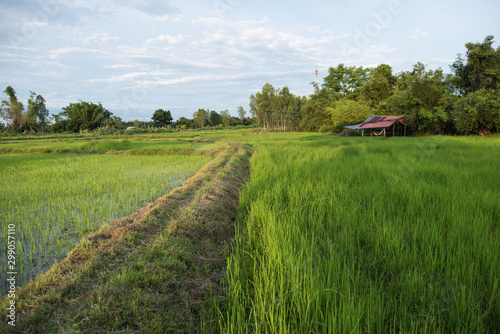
(467, 101)
(85, 116)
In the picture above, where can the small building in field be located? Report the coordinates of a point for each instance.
(380, 125)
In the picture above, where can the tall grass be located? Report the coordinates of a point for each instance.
(391, 236)
(54, 199)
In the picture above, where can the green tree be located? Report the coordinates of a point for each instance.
(12, 111)
(200, 117)
(313, 110)
(225, 117)
(294, 115)
(137, 124)
(276, 109)
(262, 106)
(83, 116)
(347, 112)
(282, 104)
(214, 118)
(241, 113)
(379, 88)
(162, 118)
(425, 100)
(113, 122)
(346, 81)
(479, 70)
(37, 113)
(478, 112)
(184, 123)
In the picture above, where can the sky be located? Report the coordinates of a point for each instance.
(136, 56)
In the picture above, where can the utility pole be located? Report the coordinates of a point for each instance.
(316, 85)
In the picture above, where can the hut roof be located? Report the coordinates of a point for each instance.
(376, 122)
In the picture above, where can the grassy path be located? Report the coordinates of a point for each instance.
(156, 271)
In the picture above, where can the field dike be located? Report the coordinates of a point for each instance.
(159, 270)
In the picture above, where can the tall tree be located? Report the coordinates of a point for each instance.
(313, 111)
(37, 112)
(200, 117)
(424, 98)
(162, 118)
(276, 109)
(241, 113)
(262, 106)
(293, 114)
(12, 111)
(380, 87)
(479, 70)
(225, 117)
(346, 81)
(283, 101)
(214, 118)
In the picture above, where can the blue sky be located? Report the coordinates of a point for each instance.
(136, 56)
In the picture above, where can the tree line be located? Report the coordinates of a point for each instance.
(89, 116)
(466, 101)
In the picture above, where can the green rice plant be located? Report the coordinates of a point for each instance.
(368, 236)
(95, 145)
(55, 199)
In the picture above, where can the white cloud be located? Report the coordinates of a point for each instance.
(168, 17)
(418, 33)
(118, 66)
(321, 30)
(51, 74)
(326, 10)
(157, 8)
(100, 38)
(170, 39)
(443, 60)
(64, 52)
(209, 21)
(363, 56)
(121, 78)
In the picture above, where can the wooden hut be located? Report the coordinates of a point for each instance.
(381, 125)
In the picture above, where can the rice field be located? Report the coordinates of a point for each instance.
(333, 235)
(55, 199)
(359, 235)
(93, 145)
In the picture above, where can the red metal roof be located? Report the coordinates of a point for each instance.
(376, 122)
